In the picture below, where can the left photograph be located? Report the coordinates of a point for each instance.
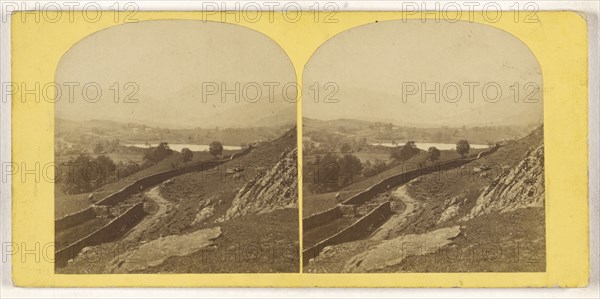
(176, 152)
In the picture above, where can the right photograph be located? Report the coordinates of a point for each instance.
(423, 151)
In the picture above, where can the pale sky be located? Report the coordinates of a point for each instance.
(168, 61)
(370, 63)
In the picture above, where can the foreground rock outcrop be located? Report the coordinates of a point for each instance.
(276, 189)
(520, 187)
(393, 252)
(157, 251)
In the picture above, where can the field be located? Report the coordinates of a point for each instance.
(507, 242)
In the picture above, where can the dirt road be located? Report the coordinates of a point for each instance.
(163, 206)
(397, 221)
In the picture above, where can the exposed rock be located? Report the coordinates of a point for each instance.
(204, 214)
(394, 251)
(520, 187)
(448, 214)
(157, 251)
(277, 189)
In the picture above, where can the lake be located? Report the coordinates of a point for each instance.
(193, 147)
(426, 145)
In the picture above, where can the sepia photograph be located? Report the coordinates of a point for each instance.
(177, 152)
(282, 148)
(425, 151)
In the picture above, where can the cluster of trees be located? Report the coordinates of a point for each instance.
(405, 152)
(410, 149)
(215, 148)
(332, 142)
(371, 169)
(332, 172)
(84, 173)
(159, 153)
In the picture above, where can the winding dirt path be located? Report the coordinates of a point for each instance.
(157, 251)
(397, 221)
(163, 206)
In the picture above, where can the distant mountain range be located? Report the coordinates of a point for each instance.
(381, 131)
(375, 106)
(90, 132)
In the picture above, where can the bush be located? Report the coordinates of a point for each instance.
(215, 148)
(186, 154)
(463, 147)
(434, 154)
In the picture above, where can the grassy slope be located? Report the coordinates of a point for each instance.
(507, 242)
(434, 189)
(248, 244)
(191, 191)
(512, 241)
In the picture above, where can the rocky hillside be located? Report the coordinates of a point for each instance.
(247, 202)
(519, 187)
(275, 189)
(448, 221)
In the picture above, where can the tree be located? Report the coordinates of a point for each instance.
(86, 173)
(349, 167)
(434, 153)
(371, 169)
(162, 151)
(158, 153)
(186, 154)
(326, 171)
(462, 147)
(215, 148)
(404, 153)
(76, 180)
(106, 168)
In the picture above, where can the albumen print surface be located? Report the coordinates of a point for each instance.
(348, 149)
